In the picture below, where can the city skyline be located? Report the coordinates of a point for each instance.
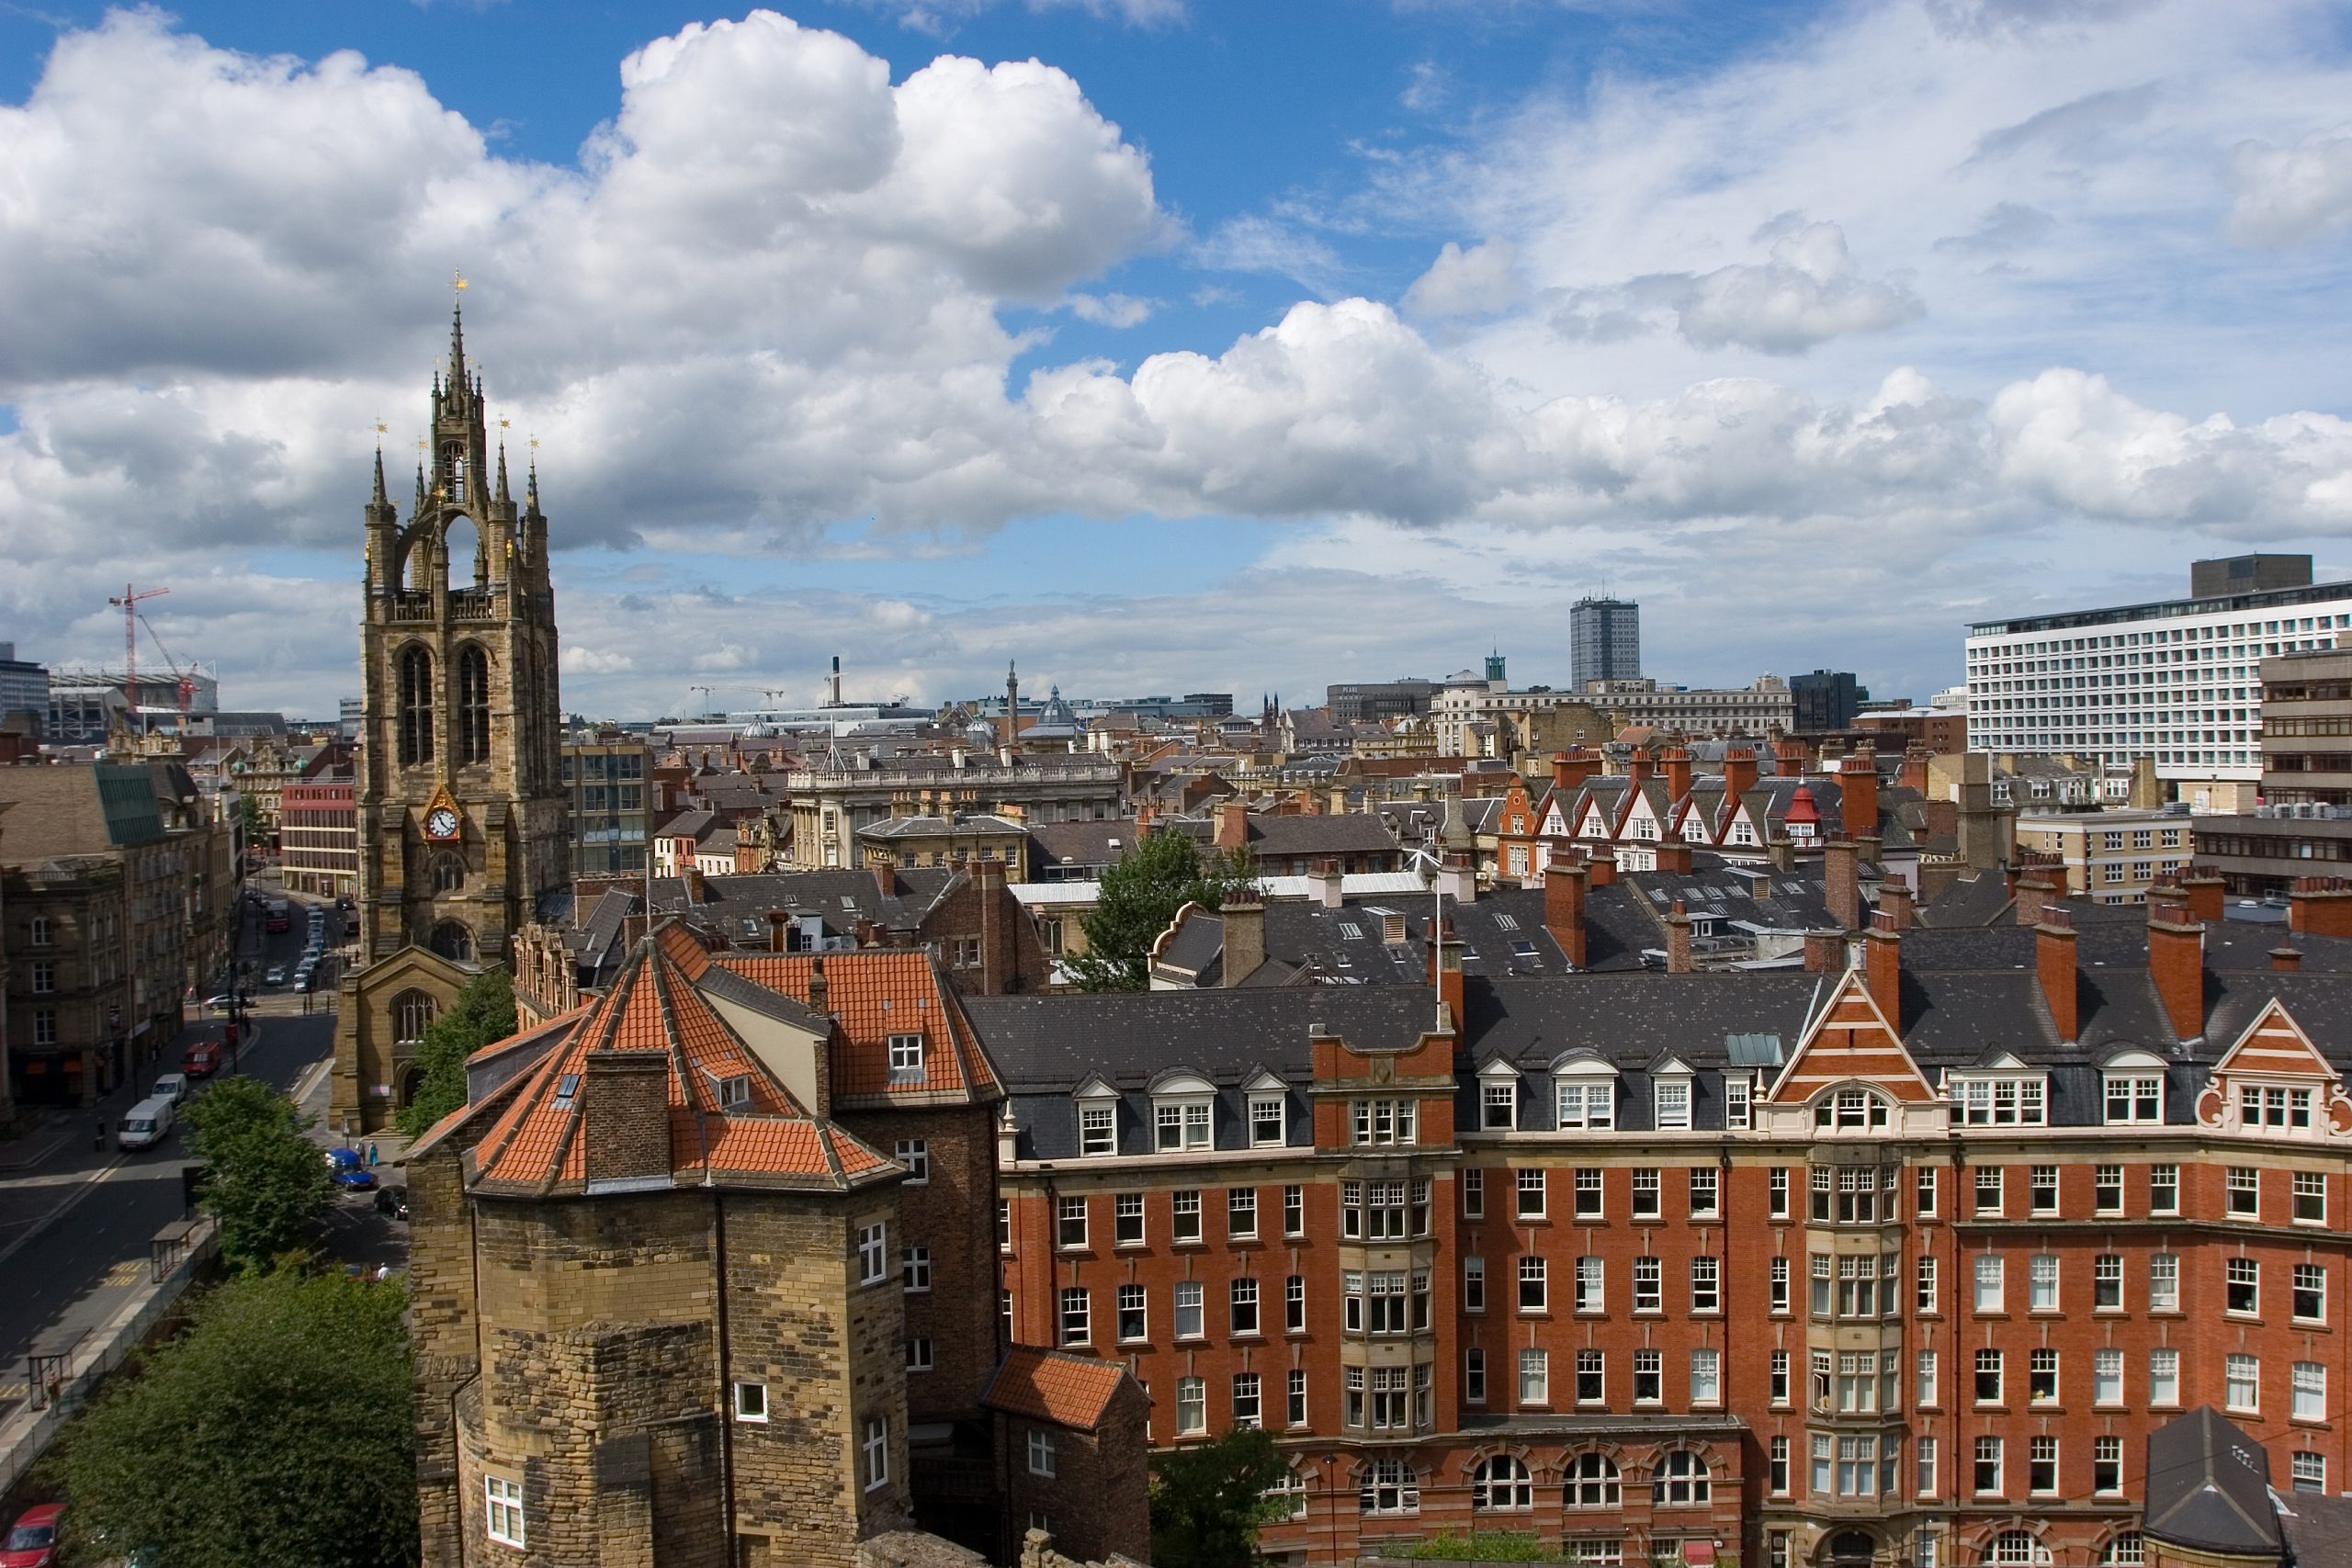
(1430, 342)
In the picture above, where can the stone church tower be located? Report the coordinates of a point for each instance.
(463, 824)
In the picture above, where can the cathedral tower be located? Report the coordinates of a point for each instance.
(463, 822)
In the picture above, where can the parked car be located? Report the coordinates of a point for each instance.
(393, 1200)
(347, 1169)
(32, 1542)
(219, 1003)
(202, 1059)
(173, 1085)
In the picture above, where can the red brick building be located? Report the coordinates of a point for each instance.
(1896, 1257)
(318, 837)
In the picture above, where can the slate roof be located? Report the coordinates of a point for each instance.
(2318, 1528)
(1053, 1385)
(2209, 1486)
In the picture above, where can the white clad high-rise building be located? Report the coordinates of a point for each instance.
(2178, 682)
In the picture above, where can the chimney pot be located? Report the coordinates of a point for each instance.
(2286, 959)
(2054, 956)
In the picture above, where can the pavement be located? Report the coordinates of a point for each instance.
(75, 1222)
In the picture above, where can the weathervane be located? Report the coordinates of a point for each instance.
(457, 281)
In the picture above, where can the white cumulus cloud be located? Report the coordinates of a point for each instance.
(2288, 194)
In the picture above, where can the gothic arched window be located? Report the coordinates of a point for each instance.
(448, 873)
(454, 939)
(415, 707)
(413, 1014)
(473, 706)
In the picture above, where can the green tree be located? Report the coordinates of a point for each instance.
(482, 1015)
(275, 1433)
(1141, 895)
(265, 1181)
(1208, 1501)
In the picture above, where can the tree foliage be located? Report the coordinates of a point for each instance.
(276, 1433)
(265, 1181)
(482, 1015)
(1141, 895)
(1208, 1501)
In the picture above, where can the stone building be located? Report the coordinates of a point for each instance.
(463, 820)
(121, 898)
(707, 1272)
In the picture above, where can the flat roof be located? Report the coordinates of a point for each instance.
(2165, 609)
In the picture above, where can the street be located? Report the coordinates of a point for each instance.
(75, 1223)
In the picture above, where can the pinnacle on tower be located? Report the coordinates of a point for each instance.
(458, 344)
(531, 488)
(418, 511)
(381, 499)
(506, 498)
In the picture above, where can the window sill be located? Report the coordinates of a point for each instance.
(2309, 1422)
(1245, 1337)
(1127, 1246)
(2308, 1322)
(1649, 1219)
(1532, 1219)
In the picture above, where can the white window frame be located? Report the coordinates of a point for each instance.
(502, 1510)
(906, 1058)
(1042, 1458)
(750, 1400)
(915, 1155)
(1264, 1108)
(873, 1253)
(877, 1452)
(1585, 1096)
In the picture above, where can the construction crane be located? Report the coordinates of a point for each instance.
(706, 700)
(129, 605)
(184, 681)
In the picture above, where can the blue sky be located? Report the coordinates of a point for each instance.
(1229, 345)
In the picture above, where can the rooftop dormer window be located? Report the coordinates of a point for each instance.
(2001, 1099)
(906, 1058)
(1180, 1115)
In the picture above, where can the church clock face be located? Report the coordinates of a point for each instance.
(441, 823)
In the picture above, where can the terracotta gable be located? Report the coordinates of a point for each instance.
(2274, 1045)
(1851, 1041)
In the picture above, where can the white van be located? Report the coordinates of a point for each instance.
(172, 1087)
(145, 1123)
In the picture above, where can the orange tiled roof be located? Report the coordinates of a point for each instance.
(1053, 1385)
(877, 994)
(554, 1025)
(653, 1006)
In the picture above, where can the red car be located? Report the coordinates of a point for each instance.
(33, 1542)
(200, 1060)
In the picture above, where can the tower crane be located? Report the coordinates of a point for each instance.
(705, 712)
(129, 605)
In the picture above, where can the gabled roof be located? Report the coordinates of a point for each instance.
(1053, 1385)
(2274, 1046)
(873, 995)
(537, 1146)
(1851, 1039)
(2209, 1486)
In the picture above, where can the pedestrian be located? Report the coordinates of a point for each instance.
(371, 1156)
(98, 1134)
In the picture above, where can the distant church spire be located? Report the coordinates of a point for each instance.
(505, 497)
(381, 499)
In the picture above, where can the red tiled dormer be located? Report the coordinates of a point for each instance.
(654, 1038)
(1049, 1385)
(873, 996)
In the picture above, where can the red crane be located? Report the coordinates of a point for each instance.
(183, 681)
(129, 605)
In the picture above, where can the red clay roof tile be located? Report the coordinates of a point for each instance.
(1054, 1385)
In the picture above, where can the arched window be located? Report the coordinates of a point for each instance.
(413, 1013)
(1501, 1482)
(2012, 1548)
(416, 708)
(2126, 1551)
(1850, 1110)
(448, 873)
(1680, 1478)
(454, 939)
(473, 706)
(1592, 1482)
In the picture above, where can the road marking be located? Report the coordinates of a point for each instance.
(128, 1272)
(310, 1079)
(9, 1391)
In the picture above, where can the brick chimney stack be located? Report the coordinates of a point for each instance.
(697, 886)
(1789, 758)
(2320, 906)
(1572, 767)
(1637, 766)
(1674, 854)
(1894, 902)
(1824, 953)
(1674, 765)
(1603, 866)
(2033, 892)
(2053, 962)
(1232, 824)
(1326, 884)
(779, 922)
(626, 1106)
(1678, 941)
(1739, 771)
(1244, 919)
(2177, 961)
(1913, 774)
(1445, 969)
(1858, 794)
(1563, 894)
(1882, 965)
(1783, 853)
(2204, 890)
(1842, 889)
